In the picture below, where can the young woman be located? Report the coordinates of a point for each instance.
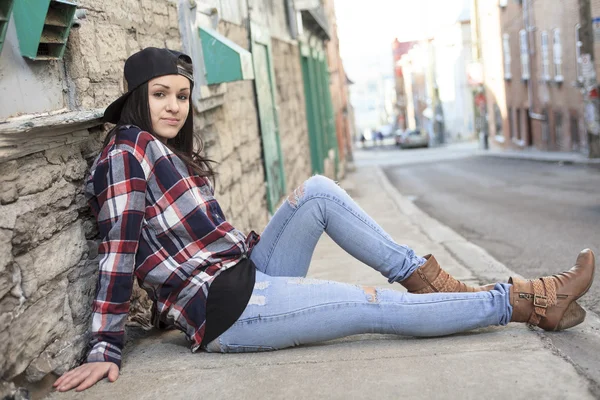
(228, 292)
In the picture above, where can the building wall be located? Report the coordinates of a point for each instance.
(559, 101)
(517, 98)
(595, 10)
(48, 237)
(339, 91)
(453, 54)
(509, 101)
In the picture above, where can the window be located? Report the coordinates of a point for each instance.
(545, 128)
(507, 60)
(511, 123)
(558, 129)
(524, 55)
(575, 143)
(498, 120)
(557, 50)
(578, 45)
(545, 57)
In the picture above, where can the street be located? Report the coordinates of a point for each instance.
(533, 217)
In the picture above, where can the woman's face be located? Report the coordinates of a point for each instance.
(168, 99)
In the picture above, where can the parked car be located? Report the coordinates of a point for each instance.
(411, 139)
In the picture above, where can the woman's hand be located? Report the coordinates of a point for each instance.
(87, 375)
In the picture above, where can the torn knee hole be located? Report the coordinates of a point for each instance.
(371, 293)
(296, 195)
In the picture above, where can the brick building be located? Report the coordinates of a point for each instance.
(253, 121)
(529, 52)
(343, 110)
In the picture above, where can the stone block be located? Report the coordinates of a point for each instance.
(160, 7)
(174, 44)
(8, 171)
(161, 22)
(60, 356)
(238, 203)
(62, 154)
(6, 260)
(82, 84)
(8, 192)
(122, 12)
(250, 152)
(150, 40)
(36, 174)
(87, 101)
(29, 334)
(40, 224)
(76, 169)
(53, 257)
(38, 217)
(147, 6)
(105, 92)
(82, 289)
(173, 17)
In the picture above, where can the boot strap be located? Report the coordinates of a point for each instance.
(544, 296)
(444, 282)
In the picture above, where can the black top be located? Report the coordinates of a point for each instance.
(228, 297)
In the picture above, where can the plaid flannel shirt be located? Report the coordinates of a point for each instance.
(161, 223)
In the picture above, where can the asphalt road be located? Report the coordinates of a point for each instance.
(532, 216)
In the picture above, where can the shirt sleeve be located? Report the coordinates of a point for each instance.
(121, 189)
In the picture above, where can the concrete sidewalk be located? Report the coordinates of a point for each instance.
(492, 363)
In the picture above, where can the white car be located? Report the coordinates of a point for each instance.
(411, 139)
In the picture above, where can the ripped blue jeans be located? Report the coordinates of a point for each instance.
(287, 309)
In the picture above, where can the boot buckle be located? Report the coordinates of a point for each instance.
(540, 301)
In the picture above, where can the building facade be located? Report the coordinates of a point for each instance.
(252, 119)
(532, 74)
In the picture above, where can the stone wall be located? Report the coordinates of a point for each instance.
(47, 267)
(293, 128)
(48, 238)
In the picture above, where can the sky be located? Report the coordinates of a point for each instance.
(366, 29)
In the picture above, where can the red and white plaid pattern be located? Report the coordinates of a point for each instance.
(161, 223)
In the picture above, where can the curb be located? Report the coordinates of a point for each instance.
(548, 158)
(487, 269)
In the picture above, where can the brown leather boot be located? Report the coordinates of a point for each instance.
(549, 302)
(430, 278)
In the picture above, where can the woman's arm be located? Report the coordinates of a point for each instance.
(120, 186)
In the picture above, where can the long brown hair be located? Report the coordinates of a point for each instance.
(136, 111)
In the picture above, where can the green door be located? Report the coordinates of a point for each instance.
(269, 127)
(319, 109)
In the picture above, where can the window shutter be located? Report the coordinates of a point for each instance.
(557, 50)
(507, 59)
(43, 27)
(578, 45)
(545, 57)
(524, 55)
